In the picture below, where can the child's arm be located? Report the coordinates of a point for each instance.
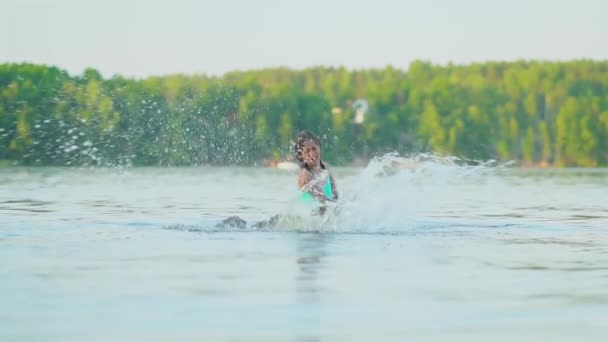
(306, 183)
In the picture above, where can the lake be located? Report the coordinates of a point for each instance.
(424, 251)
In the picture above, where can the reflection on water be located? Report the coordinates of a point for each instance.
(443, 253)
(310, 252)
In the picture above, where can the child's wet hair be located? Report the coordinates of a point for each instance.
(301, 138)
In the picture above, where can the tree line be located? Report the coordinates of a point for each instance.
(536, 112)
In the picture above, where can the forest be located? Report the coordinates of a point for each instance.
(538, 113)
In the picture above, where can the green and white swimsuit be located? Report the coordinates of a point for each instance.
(307, 197)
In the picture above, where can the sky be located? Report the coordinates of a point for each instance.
(138, 38)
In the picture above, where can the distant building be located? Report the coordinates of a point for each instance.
(361, 107)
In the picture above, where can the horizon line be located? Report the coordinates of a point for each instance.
(310, 67)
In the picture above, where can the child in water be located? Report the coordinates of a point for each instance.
(317, 186)
(315, 182)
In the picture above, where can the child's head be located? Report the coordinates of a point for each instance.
(307, 148)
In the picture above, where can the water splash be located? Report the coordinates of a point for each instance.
(391, 195)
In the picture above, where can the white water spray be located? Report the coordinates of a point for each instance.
(392, 192)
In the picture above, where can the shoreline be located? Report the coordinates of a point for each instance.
(285, 166)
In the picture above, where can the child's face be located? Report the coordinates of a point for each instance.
(311, 153)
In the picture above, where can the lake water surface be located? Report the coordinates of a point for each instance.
(433, 253)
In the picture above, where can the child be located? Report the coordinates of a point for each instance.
(314, 181)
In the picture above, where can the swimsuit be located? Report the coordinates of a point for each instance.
(307, 197)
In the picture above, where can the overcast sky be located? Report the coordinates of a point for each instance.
(156, 37)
